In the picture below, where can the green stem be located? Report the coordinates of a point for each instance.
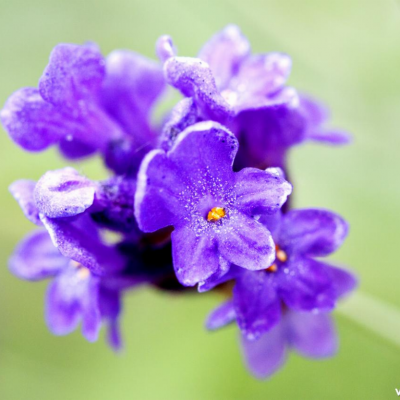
(373, 314)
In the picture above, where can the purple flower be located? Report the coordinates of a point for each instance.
(89, 276)
(193, 188)
(75, 294)
(310, 334)
(248, 93)
(85, 103)
(226, 79)
(295, 277)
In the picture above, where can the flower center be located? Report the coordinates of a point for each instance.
(216, 214)
(280, 256)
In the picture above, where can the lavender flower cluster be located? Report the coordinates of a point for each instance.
(197, 201)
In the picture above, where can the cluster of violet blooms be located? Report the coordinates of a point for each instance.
(200, 200)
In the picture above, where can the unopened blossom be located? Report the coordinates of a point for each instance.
(65, 193)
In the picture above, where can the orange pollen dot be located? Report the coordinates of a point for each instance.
(281, 255)
(272, 268)
(216, 214)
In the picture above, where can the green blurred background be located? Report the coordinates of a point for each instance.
(346, 52)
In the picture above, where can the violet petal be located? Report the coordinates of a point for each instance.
(305, 285)
(74, 72)
(312, 232)
(22, 191)
(266, 355)
(195, 257)
(312, 335)
(260, 191)
(224, 52)
(63, 193)
(36, 258)
(221, 316)
(256, 303)
(194, 78)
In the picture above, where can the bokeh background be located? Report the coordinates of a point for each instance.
(346, 52)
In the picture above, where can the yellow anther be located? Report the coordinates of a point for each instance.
(216, 214)
(281, 255)
(272, 268)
